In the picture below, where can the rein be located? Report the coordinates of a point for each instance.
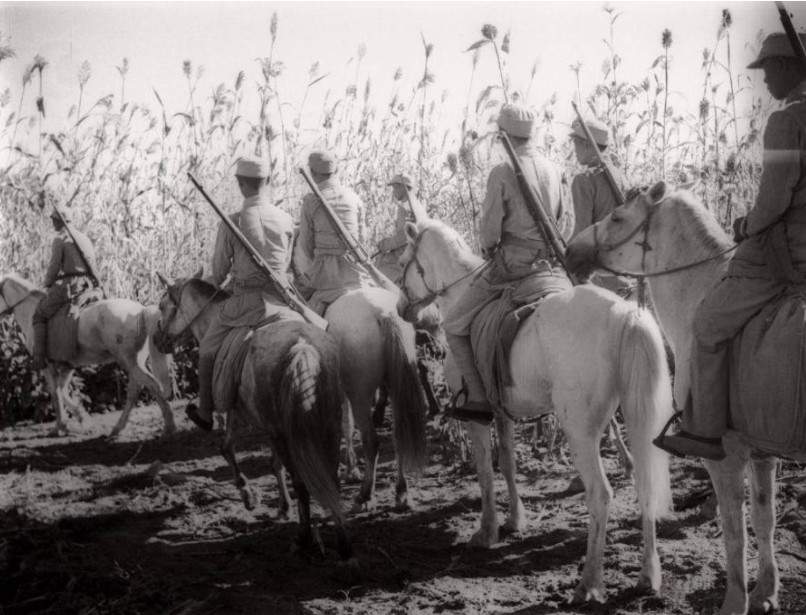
(433, 294)
(10, 308)
(646, 247)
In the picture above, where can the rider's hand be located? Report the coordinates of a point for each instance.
(740, 229)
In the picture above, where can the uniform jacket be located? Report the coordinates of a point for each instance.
(593, 197)
(65, 259)
(332, 266)
(507, 228)
(781, 195)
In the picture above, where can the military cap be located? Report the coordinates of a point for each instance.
(599, 131)
(322, 162)
(403, 179)
(252, 167)
(776, 45)
(516, 120)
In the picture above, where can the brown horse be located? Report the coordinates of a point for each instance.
(290, 389)
(110, 330)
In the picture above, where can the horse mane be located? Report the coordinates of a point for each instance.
(457, 246)
(205, 289)
(699, 223)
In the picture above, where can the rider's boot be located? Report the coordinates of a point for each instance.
(476, 408)
(40, 359)
(202, 415)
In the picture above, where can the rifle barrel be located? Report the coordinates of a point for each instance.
(600, 159)
(789, 28)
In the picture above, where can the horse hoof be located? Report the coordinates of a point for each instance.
(483, 540)
(249, 498)
(60, 431)
(584, 595)
(402, 504)
(349, 571)
(769, 605)
(646, 587)
(360, 506)
(113, 435)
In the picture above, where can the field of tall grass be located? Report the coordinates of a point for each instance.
(120, 164)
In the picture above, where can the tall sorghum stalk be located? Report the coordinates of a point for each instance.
(84, 74)
(26, 79)
(123, 69)
(576, 68)
(666, 41)
(427, 77)
(39, 64)
(727, 20)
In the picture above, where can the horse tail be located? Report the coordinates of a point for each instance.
(310, 411)
(646, 400)
(405, 391)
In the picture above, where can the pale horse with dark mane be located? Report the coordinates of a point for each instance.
(289, 388)
(581, 354)
(118, 330)
(668, 236)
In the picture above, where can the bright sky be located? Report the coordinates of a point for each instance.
(227, 37)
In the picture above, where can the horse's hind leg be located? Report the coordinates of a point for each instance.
(487, 535)
(516, 519)
(365, 499)
(282, 485)
(347, 430)
(588, 462)
(728, 479)
(228, 452)
(764, 597)
(56, 398)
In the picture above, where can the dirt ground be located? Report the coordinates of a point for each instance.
(151, 525)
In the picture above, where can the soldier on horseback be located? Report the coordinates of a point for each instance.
(254, 299)
(771, 256)
(69, 274)
(594, 198)
(519, 256)
(333, 269)
(391, 248)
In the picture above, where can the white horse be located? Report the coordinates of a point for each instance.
(108, 330)
(580, 354)
(671, 237)
(377, 349)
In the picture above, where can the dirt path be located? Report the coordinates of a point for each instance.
(145, 525)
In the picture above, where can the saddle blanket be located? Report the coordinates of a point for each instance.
(231, 356)
(63, 326)
(497, 324)
(767, 400)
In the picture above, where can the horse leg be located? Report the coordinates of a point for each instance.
(305, 535)
(74, 407)
(347, 430)
(516, 519)
(487, 535)
(728, 479)
(598, 493)
(379, 411)
(614, 435)
(51, 376)
(764, 597)
(365, 500)
(282, 485)
(132, 390)
(433, 404)
(228, 452)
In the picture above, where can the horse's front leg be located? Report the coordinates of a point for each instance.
(347, 430)
(487, 535)
(516, 519)
(365, 500)
(131, 397)
(598, 493)
(728, 479)
(764, 597)
(57, 399)
(248, 495)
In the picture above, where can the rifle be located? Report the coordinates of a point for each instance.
(608, 173)
(545, 224)
(357, 250)
(287, 292)
(794, 39)
(83, 256)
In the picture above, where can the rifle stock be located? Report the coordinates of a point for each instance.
(360, 254)
(600, 159)
(286, 291)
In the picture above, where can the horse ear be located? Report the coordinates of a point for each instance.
(162, 279)
(199, 273)
(411, 232)
(657, 192)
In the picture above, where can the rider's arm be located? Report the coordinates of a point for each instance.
(780, 172)
(222, 255)
(305, 240)
(55, 265)
(582, 193)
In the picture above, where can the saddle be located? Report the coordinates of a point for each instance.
(495, 327)
(63, 326)
(767, 396)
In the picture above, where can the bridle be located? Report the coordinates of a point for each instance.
(646, 247)
(10, 307)
(415, 303)
(164, 340)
